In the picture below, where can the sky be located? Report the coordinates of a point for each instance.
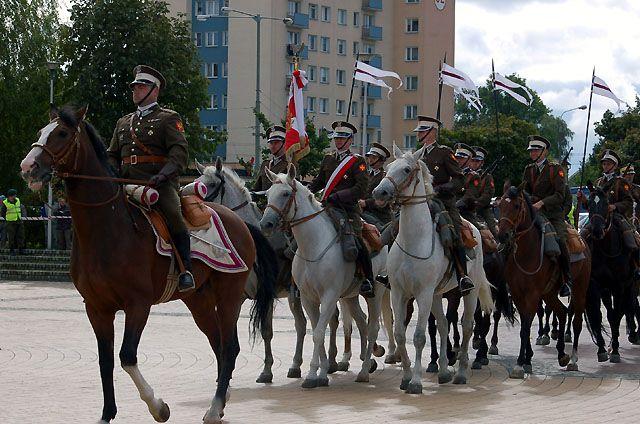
(554, 45)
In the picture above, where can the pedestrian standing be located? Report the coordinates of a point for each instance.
(13, 212)
(64, 232)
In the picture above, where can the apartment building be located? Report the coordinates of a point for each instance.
(409, 37)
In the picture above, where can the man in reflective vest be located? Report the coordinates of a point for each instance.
(12, 211)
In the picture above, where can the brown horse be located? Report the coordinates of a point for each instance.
(532, 277)
(115, 267)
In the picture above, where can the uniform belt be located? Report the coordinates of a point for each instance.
(135, 159)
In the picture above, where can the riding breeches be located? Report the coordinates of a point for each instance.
(169, 206)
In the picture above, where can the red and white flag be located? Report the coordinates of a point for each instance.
(462, 85)
(367, 73)
(501, 83)
(601, 88)
(296, 143)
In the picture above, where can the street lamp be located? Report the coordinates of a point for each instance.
(53, 68)
(583, 107)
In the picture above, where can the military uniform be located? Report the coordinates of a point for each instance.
(373, 213)
(629, 171)
(486, 191)
(277, 164)
(466, 202)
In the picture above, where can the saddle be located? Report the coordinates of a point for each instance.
(466, 235)
(489, 244)
(575, 243)
(371, 237)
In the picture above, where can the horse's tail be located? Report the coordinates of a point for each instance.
(266, 270)
(484, 296)
(504, 303)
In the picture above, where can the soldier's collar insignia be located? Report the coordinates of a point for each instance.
(435, 168)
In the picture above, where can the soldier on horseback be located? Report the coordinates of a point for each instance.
(466, 202)
(149, 144)
(486, 190)
(545, 182)
(447, 182)
(376, 212)
(343, 176)
(629, 174)
(278, 162)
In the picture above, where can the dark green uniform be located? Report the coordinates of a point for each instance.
(635, 195)
(486, 191)
(448, 179)
(276, 165)
(467, 203)
(374, 214)
(161, 132)
(618, 191)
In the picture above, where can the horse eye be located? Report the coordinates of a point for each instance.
(63, 133)
(407, 170)
(286, 194)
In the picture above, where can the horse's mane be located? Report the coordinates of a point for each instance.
(68, 117)
(514, 192)
(426, 177)
(302, 189)
(231, 177)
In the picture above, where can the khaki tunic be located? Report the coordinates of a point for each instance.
(373, 212)
(262, 182)
(618, 191)
(162, 132)
(548, 186)
(469, 196)
(448, 179)
(485, 193)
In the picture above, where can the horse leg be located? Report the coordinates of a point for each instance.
(372, 326)
(595, 320)
(347, 327)
(481, 328)
(399, 305)
(135, 320)
(547, 315)
(470, 303)
(477, 329)
(543, 339)
(300, 322)
(102, 324)
(614, 321)
(431, 325)
(554, 327)
(453, 302)
(525, 333)
(493, 349)
(560, 310)
(313, 312)
(570, 317)
(577, 328)
(437, 309)
(423, 301)
(333, 340)
(266, 376)
(387, 320)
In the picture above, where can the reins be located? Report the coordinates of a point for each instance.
(519, 234)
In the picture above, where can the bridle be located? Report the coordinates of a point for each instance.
(398, 188)
(220, 190)
(291, 202)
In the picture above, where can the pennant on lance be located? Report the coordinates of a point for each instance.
(296, 142)
(462, 84)
(367, 73)
(601, 88)
(501, 83)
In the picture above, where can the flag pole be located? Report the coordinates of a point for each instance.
(440, 86)
(495, 100)
(586, 138)
(353, 83)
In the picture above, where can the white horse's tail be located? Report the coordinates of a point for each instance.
(484, 296)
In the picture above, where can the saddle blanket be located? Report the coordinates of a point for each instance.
(211, 246)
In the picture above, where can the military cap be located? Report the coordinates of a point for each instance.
(629, 170)
(611, 155)
(537, 142)
(343, 129)
(276, 133)
(12, 192)
(464, 151)
(481, 153)
(143, 74)
(380, 150)
(425, 123)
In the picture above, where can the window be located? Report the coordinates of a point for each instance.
(411, 54)
(311, 73)
(325, 44)
(410, 141)
(412, 1)
(340, 76)
(342, 17)
(369, 21)
(294, 7)
(213, 101)
(199, 8)
(356, 47)
(340, 107)
(411, 82)
(313, 11)
(412, 25)
(410, 111)
(354, 108)
(211, 39)
(198, 38)
(324, 105)
(224, 101)
(293, 37)
(342, 47)
(325, 14)
(369, 48)
(324, 75)
(224, 38)
(313, 42)
(311, 104)
(212, 7)
(211, 70)
(225, 69)
(356, 19)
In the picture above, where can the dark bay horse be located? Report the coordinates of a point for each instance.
(611, 275)
(532, 277)
(115, 267)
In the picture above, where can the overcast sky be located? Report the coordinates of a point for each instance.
(555, 45)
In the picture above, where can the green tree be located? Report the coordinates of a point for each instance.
(108, 38)
(27, 41)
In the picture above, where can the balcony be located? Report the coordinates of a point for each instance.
(375, 61)
(304, 53)
(374, 122)
(300, 20)
(374, 92)
(373, 33)
(373, 5)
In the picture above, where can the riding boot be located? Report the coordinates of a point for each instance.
(565, 266)
(464, 282)
(366, 288)
(182, 243)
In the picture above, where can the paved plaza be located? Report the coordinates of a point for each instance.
(49, 374)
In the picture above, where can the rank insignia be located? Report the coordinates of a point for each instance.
(362, 167)
(561, 173)
(150, 132)
(346, 177)
(626, 187)
(435, 168)
(475, 183)
(179, 126)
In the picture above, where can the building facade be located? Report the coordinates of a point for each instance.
(409, 37)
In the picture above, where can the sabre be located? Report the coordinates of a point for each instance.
(224, 249)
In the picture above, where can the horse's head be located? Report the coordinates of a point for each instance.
(56, 148)
(598, 211)
(515, 211)
(281, 200)
(212, 177)
(400, 173)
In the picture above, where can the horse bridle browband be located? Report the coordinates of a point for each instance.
(406, 183)
(221, 190)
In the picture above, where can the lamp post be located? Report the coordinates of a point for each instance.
(583, 107)
(257, 18)
(53, 68)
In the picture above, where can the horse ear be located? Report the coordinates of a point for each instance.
(418, 153)
(397, 153)
(53, 112)
(200, 167)
(270, 175)
(219, 164)
(82, 113)
(291, 172)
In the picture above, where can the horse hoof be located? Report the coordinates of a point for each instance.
(528, 369)
(455, 349)
(444, 378)
(294, 373)
(310, 383)
(564, 360)
(432, 368)
(517, 373)
(477, 365)
(634, 338)
(484, 361)
(373, 366)
(543, 340)
(404, 384)
(615, 358)
(363, 377)
(493, 350)
(567, 338)
(323, 382)
(343, 366)
(554, 334)
(163, 414)
(391, 359)
(378, 351)
(333, 367)
(265, 377)
(475, 344)
(452, 361)
(572, 367)
(414, 389)
(459, 379)
(603, 357)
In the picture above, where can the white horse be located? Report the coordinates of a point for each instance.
(320, 271)
(418, 268)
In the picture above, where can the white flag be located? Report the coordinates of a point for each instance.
(601, 88)
(471, 98)
(372, 75)
(501, 83)
(457, 79)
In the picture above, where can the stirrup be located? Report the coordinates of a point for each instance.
(186, 282)
(465, 285)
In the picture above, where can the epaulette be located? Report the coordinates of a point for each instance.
(444, 147)
(168, 111)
